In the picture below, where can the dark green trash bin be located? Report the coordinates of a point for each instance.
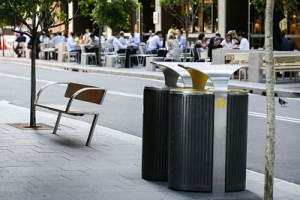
(191, 141)
(155, 133)
(236, 141)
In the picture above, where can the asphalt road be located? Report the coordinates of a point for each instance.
(123, 107)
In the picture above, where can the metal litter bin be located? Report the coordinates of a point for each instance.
(156, 123)
(155, 133)
(236, 141)
(191, 140)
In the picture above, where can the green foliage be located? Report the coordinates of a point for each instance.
(259, 5)
(185, 11)
(38, 16)
(114, 13)
(291, 6)
(6, 17)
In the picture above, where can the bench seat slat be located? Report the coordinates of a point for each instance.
(62, 108)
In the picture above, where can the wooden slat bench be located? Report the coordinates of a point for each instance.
(73, 92)
(240, 59)
(286, 63)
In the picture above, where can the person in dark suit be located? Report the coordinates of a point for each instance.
(20, 39)
(286, 44)
(215, 45)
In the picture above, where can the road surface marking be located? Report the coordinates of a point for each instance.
(255, 114)
(287, 119)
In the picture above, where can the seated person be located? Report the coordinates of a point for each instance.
(118, 46)
(38, 49)
(228, 43)
(134, 39)
(286, 44)
(181, 39)
(173, 48)
(93, 40)
(216, 45)
(109, 42)
(20, 39)
(199, 44)
(122, 38)
(155, 43)
(71, 46)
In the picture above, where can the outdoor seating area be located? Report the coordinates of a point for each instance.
(139, 55)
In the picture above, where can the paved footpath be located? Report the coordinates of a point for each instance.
(36, 164)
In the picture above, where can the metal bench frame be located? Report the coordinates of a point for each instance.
(75, 91)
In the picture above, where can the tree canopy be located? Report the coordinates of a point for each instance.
(114, 13)
(6, 16)
(37, 16)
(34, 18)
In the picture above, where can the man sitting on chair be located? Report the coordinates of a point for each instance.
(71, 46)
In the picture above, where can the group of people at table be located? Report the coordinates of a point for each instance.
(173, 46)
(176, 41)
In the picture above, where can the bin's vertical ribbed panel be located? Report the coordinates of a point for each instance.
(155, 134)
(236, 142)
(191, 141)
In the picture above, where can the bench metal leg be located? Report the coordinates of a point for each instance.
(57, 122)
(88, 142)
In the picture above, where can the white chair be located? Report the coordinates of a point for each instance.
(68, 55)
(141, 56)
(202, 54)
(46, 49)
(103, 57)
(85, 56)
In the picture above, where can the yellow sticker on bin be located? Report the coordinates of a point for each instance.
(220, 102)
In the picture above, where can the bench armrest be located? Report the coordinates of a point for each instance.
(78, 93)
(45, 87)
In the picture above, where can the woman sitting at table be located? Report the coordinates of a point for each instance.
(199, 44)
(173, 48)
(228, 43)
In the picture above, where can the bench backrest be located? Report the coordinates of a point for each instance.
(286, 59)
(92, 96)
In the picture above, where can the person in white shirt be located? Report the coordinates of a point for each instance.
(181, 39)
(244, 43)
(71, 46)
(151, 34)
(109, 42)
(122, 39)
(155, 43)
(93, 40)
(86, 35)
(134, 39)
(118, 46)
(228, 43)
(55, 40)
(46, 38)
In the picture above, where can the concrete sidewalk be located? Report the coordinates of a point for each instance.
(36, 164)
(282, 89)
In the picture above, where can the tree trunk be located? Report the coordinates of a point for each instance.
(270, 81)
(33, 82)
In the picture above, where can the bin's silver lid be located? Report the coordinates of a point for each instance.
(173, 72)
(219, 74)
